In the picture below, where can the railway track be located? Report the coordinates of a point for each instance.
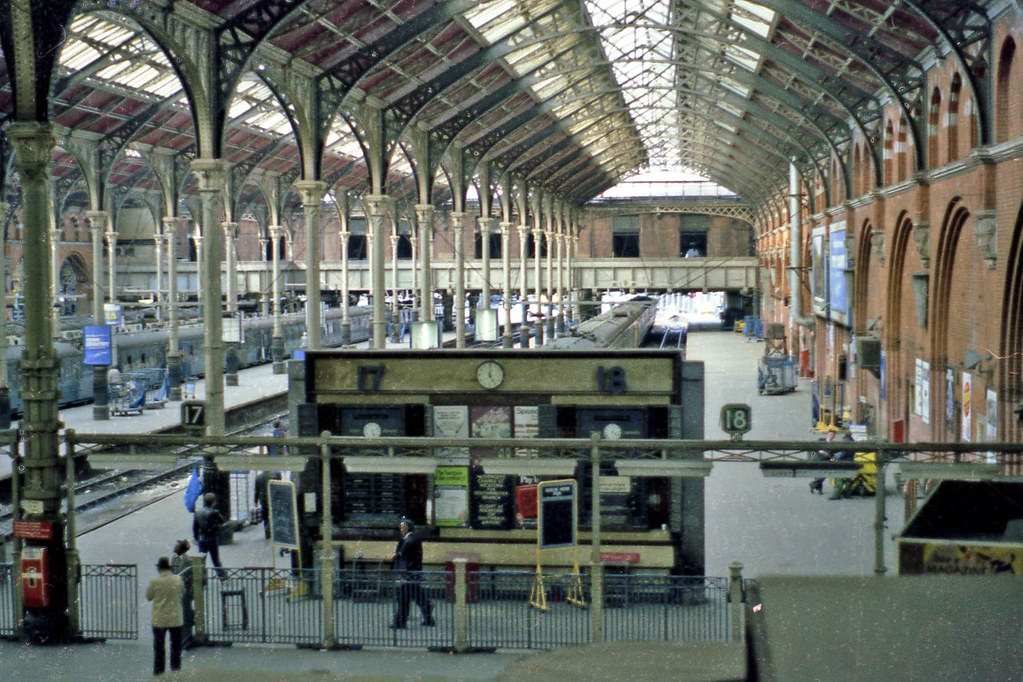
(109, 496)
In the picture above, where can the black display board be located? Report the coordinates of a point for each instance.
(557, 514)
(283, 514)
(490, 505)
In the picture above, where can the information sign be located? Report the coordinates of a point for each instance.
(193, 414)
(736, 419)
(97, 345)
(283, 514)
(557, 518)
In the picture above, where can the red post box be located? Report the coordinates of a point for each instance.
(34, 577)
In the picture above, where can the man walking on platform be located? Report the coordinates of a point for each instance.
(166, 591)
(408, 562)
(206, 530)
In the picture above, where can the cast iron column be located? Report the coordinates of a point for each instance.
(170, 233)
(424, 216)
(311, 192)
(211, 175)
(40, 485)
(277, 337)
(506, 269)
(458, 226)
(376, 211)
(97, 221)
(231, 304)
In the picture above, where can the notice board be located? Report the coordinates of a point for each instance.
(283, 514)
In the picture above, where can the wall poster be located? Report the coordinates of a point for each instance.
(451, 495)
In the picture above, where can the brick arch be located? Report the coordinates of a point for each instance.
(941, 310)
(1010, 371)
(901, 323)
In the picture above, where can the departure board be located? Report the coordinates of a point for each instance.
(491, 501)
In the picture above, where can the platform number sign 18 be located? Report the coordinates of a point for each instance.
(736, 419)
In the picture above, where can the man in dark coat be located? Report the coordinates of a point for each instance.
(408, 562)
(206, 527)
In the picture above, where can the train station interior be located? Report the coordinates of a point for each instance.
(414, 223)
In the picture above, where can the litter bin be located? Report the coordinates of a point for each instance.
(472, 586)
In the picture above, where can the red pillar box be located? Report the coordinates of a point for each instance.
(472, 586)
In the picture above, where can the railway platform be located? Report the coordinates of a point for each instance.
(811, 559)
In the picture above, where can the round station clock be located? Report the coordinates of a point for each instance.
(490, 374)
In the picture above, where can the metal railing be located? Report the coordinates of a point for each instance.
(479, 610)
(8, 615)
(108, 601)
(660, 607)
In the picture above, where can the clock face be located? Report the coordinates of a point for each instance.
(371, 430)
(490, 374)
(612, 431)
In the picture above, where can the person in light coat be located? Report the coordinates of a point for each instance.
(166, 591)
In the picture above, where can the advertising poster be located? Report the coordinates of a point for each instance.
(992, 422)
(967, 407)
(836, 272)
(451, 496)
(527, 425)
(451, 421)
(490, 421)
(97, 345)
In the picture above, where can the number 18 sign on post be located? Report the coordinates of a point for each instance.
(736, 419)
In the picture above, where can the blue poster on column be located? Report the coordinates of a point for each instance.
(97, 345)
(837, 266)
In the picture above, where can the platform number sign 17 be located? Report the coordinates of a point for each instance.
(193, 414)
(736, 419)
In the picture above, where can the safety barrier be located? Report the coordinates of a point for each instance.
(479, 610)
(108, 604)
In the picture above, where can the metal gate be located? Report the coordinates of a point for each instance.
(108, 604)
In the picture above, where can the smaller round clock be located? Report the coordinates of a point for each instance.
(612, 431)
(490, 374)
(371, 430)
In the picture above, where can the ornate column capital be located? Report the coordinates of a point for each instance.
(311, 191)
(230, 229)
(377, 205)
(506, 228)
(170, 225)
(97, 219)
(210, 174)
(275, 231)
(424, 213)
(33, 148)
(485, 223)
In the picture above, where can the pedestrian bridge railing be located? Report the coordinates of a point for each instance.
(470, 611)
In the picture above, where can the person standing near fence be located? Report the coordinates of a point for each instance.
(181, 566)
(408, 562)
(166, 591)
(206, 527)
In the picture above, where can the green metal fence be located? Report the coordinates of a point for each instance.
(108, 601)
(286, 606)
(8, 618)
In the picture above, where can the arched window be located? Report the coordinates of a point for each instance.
(933, 128)
(1004, 92)
(952, 122)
